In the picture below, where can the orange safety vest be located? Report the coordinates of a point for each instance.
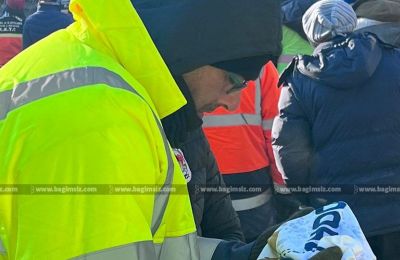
(241, 139)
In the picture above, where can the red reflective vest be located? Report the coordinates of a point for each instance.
(241, 139)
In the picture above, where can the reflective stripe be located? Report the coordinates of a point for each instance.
(286, 59)
(231, 120)
(161, 199)
(239, 119)
(267, 124)
(59, 82)
(257, 95)
(253, 202)
(184, 247)
(134, 251)
(2, 248)
(207, 247)
(11, 35)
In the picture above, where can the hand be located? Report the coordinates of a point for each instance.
(286, 205)
(262, 240)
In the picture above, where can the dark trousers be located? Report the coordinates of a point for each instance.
(387, 246)
(257, 220)
(254, 220)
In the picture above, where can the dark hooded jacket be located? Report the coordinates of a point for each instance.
(44, 22)
(386, 11)
(339, 124)
(191, 34)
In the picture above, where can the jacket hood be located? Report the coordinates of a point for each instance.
(386, 32)
(191, 34)
(343, 62)
(117, 31)
(380, 10)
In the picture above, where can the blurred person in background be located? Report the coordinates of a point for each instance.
(338, 122)
(47, 19)
(241, 139)
(64, 6)
(11, 24)
(381, 17)
(30, 7)
(294, 40)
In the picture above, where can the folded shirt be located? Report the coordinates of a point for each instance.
(326, 227)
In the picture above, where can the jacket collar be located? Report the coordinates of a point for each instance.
(49, 7)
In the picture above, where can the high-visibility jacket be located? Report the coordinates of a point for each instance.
(10, 35)
(241, 139)
(292, 44)
(82, 107)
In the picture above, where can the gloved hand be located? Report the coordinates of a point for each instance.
(286, 205)
(262, 240)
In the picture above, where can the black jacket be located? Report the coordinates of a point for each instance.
(212, 210)
(339, 124)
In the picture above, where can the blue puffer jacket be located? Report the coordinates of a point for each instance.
(339, 124)
(45, 21)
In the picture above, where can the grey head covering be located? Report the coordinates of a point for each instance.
(328, 18)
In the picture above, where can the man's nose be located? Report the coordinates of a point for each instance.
(230, 101)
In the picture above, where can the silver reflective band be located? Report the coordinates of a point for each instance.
(267, 124)
(10, 35)
(239, 119)
(183, 247)
(27, 92)
(2, 248)
(286, 59)
(207, 247)
(56, 83)
(134, 251)
(253, 202)
(161, 199)
(257, 94)
(231, 120)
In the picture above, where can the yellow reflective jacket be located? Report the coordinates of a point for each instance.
(293, 44)
(79, 113)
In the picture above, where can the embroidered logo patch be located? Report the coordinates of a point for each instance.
(180, 157)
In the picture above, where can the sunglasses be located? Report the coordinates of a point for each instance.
(237, 81)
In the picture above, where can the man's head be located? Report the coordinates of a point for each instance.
(327, 19)
(16, 4)
(211, 87)
(215, 45)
